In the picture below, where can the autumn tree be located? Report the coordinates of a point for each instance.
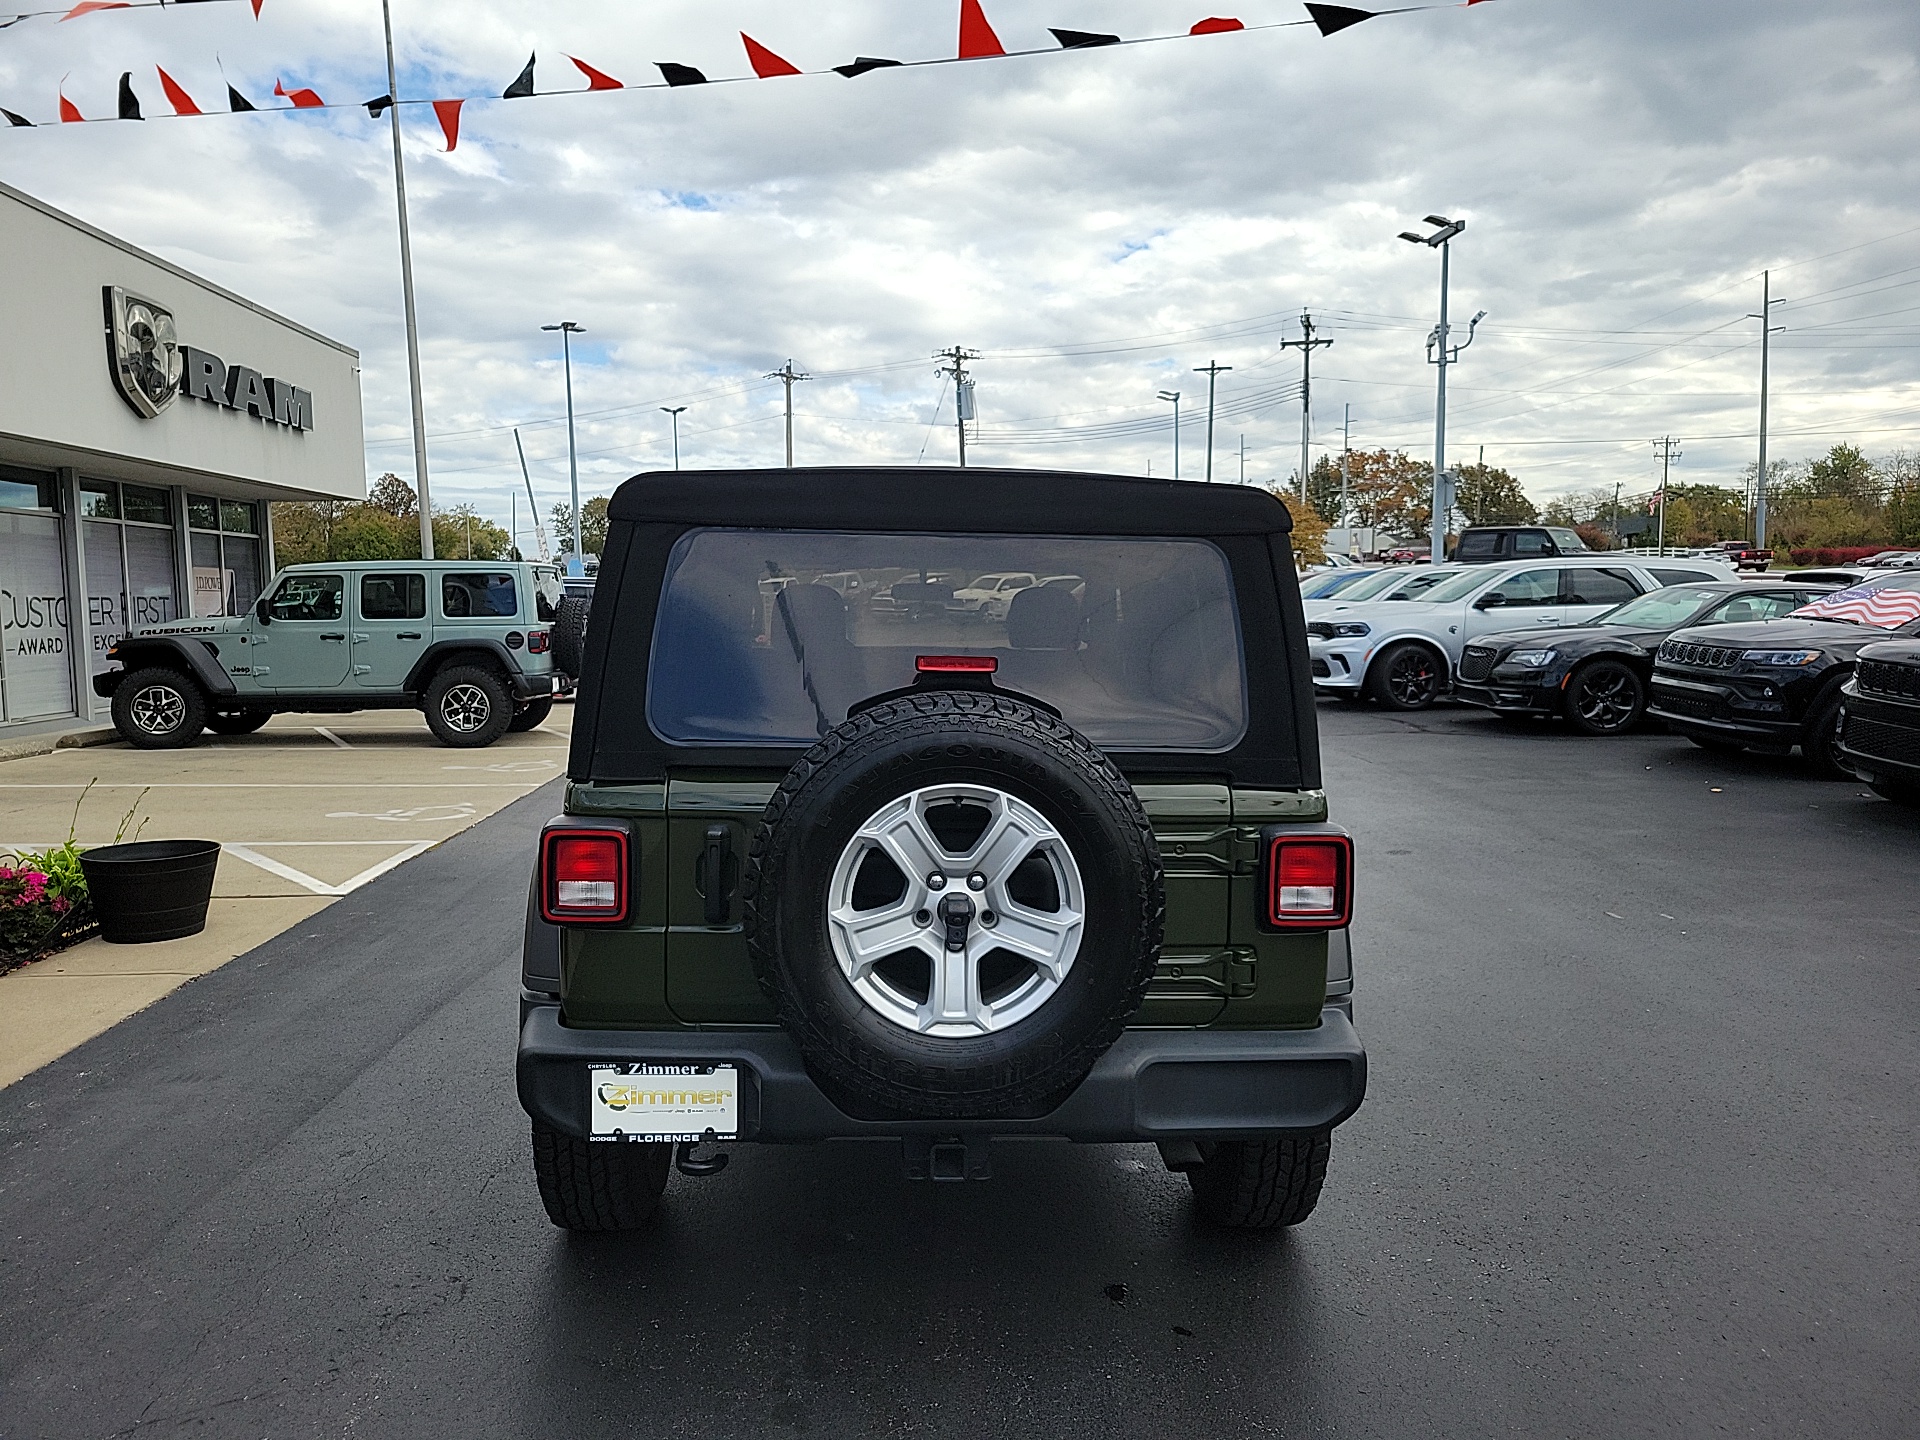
(1309, 526)
(593, 525)
(1488, 495)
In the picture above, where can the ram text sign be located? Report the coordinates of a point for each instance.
(150, 367)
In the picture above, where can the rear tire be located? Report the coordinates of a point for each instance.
(1408, 676)
(1605, 698)
(468, 707)
(159, 709)
(237, 722)
(1261, 1184)
(596, 1188)
(530, 715)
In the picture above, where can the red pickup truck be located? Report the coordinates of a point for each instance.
(1745, 555)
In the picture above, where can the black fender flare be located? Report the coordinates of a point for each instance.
(179, 652)
(441, 651)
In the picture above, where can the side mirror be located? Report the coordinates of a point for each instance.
(1490, 601)
(261, 612)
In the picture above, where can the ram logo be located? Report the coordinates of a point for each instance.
(143, 350)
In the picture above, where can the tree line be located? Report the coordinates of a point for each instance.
(384, 526)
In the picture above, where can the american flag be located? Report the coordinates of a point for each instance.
(1655, 501)
(1883, 606)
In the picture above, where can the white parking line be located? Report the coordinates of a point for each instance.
(321, 729)
(320, 887)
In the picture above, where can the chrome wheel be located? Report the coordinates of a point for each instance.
(956, 910)
(158, 709)
(465, 708)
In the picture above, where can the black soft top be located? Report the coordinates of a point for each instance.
(939, 498)
(614, 744)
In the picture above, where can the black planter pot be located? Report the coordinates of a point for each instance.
(155, 890)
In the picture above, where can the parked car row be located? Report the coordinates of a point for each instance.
(1802, 662)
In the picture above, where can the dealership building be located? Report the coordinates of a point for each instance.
(147, 416)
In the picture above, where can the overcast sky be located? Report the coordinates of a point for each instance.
(1095, 223)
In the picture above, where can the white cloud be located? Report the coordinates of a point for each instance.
(1625, 168)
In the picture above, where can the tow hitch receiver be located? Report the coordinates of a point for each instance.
(950, 1157)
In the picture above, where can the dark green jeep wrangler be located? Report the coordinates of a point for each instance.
(849, 851)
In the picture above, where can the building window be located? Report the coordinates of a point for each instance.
(25, 489)
(126, 533)
(225, 554)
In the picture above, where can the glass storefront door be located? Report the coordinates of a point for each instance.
(36, 633)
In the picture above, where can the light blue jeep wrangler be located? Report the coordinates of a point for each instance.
(470, 642)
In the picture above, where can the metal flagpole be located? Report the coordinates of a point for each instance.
(406, 290)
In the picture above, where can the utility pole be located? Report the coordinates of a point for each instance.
(567, 331)
(539, 527)
(1213, 370)
(1346, 450)
(1243, 458)
(1441, 352)
(1616, 513)
(406, 294)
(1664, 445)
(1767, 331)
(956, 366)
(1174, 396)
(787, 374)
(1306, 345)
(676, 411)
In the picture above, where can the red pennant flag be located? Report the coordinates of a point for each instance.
(177, 97)
(1217, 26)
(302, 99)
(449, 113)
(69, 112)
(765, 63)
(256, 8)
(596, 79)
(977, 40)
(87, 7)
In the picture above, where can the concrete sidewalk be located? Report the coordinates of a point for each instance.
(305, 813)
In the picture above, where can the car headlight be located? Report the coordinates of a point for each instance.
(1788, 658)
(1352, 629)
(1531, 659)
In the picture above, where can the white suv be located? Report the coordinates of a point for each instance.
(1402, 652)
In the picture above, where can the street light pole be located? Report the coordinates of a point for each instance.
(1213, 370)
(1442, 353)
(1174, 396)
(675, 411)
(567, 331)
(406, 295)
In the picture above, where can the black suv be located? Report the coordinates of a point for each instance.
(847, 854)
(1487, 544)
(1776, 685)
(1880, 721)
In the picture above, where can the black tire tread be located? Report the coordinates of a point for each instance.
(1580, 676)
(1376, 681)
(497, 722)
(1261, 1184)
(899, 1083)
(598, 1188)
(568, 637)
(530, 716)
(190, 691)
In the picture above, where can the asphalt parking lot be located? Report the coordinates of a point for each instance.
(306, 812)
(1638, 1159)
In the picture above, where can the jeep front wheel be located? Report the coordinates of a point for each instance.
(1261, 1184)
(597, 1187)
(159, 709)
(468, 706)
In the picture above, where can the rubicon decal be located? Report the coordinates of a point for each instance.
(150, 367)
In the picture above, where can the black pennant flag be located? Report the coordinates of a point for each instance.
(521, 89)
(1334, 18)
(679, 74)
(129, 102)
(1083, 39)
(861, 65)
(19, 120)
(236, 102)
(377, 106)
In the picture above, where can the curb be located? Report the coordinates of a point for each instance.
(33, 745)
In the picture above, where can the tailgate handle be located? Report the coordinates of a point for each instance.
(714, 876)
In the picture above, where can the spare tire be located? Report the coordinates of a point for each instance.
(955, 903)
(569, 635)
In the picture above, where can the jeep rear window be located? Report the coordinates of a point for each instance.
(769, 637)
(478, 597)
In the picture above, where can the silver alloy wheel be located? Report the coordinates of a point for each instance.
(954, 913)
(465, 708)
(158, 709)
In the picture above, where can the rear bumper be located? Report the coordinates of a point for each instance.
(1151, 1085)
(541, 686)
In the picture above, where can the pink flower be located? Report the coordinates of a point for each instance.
(61, 905)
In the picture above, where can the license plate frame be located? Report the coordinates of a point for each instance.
(656, 1104)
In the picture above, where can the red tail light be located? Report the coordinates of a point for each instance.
(955, 664)
(1309, 882)
(584, 876)
(537, 642)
